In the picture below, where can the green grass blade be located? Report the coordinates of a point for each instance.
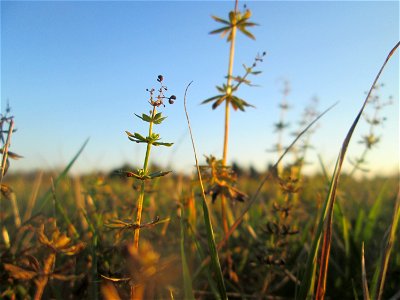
(310, 271)
(378, 280)
(345, 222)
(207, 222)
(374, 214)
(60, 209)
(187, 280)
(47, 196)
(358, 228)
(203, 266)
(355, 294)
(364, 275)
(94, 292)
(327, 215)
(213, 251)
(345, 227)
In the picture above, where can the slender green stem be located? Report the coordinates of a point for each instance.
(139, 207)
(146, 159)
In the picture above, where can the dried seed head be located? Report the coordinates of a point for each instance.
(160, 78)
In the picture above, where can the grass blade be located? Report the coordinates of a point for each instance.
(210, 233)
(47, 196)
(374, 214)
(327, 215)
(94, 291)
(364, 275)
(202, 256)
(187, 280)
(60, 209)
(378, 281)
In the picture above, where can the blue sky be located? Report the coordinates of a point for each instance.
(73, 70)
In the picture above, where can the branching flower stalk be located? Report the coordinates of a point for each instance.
(300, 152)
(151, 140)
(281, 125)
(370, 140)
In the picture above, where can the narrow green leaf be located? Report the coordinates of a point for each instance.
(128, 133)
(327, 211)
(157, 116)
(211, 99)
(223, 30)
(202, 267)
(207, 222)
(364, 275)
(144, 117)
(251, 24)
(162, 144)
(158, 174)
(94, 288)
(139, 136)
(43, 201)
(129, 174)
(213, 251)
(247, 33)
(219, 101)
(220, 20)
(374, 214)
(11, 154)
(359, 225)
(159, 121)
(187, 280)
(232, 17)
(378, 281)
(239, 103)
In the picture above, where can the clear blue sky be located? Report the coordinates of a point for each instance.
(73, 70)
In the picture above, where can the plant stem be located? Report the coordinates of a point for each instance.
(226, 131)
(228, 83)
(5, 150)
(142, 186)
(146, 159)
(42, 281)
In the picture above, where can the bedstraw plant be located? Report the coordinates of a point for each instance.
(237, 21)
(157, 98)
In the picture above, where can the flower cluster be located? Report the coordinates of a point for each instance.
(157, 101)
